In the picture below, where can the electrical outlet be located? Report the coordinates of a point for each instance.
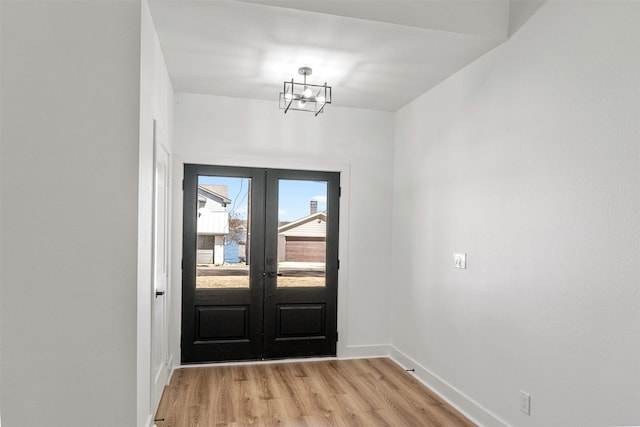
(459, 260)
(525, 402)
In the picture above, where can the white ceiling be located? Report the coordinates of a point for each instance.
(377, 54)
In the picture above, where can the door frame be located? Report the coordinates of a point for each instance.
(262, 321)
(179, 159)
(243, 301)
(160, 377)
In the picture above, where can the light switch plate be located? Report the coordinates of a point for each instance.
(460, 260)
(525, 402)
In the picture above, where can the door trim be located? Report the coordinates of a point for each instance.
(161, 154)
(243, 323)
(179, 159)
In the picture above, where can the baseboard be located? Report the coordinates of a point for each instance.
(363, 351)
(349, 352)
(463, 403)
(254, 362)
(171, 369)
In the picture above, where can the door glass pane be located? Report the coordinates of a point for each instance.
(224, 205)
(302, 232)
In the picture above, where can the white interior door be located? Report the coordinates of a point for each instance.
(159, 337)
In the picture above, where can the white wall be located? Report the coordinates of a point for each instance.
(69, 173)
(528, 160)
(156, 103)
(0, 219)
(242, 132)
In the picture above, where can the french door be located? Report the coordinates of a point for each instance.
(260, 263)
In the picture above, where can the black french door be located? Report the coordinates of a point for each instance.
(260, 263)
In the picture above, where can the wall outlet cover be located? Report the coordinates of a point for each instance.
(460, 260)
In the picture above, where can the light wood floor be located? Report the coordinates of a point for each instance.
(364, 392)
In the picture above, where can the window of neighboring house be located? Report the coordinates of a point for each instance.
(206, 242)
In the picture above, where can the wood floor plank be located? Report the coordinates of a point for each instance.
(364, 392)
(411, 408)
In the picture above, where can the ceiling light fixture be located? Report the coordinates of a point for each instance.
(307, 97)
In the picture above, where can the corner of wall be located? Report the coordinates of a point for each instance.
(527, 160)
(156, 112)
(463, 403)
(520, 11)
(1, 323)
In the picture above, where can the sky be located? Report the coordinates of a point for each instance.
(294, 196)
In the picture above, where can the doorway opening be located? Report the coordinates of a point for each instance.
(260, 263)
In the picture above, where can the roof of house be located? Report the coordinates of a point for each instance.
(218, 191)
(318, 215)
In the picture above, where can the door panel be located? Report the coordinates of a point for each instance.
(222, 323)
(268, 287)
(301, 320)
(159, 335)
(301, 294)
(222, 282)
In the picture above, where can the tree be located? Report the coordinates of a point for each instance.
(237, 228)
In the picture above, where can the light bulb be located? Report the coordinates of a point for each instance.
(307, 93)
(320, 99)
(288, 96)
(302, 103)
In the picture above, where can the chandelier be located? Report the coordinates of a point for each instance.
(305, 96)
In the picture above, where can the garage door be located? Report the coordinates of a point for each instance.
(299, 250)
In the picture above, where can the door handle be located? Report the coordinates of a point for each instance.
(159, 293)
(270, 274)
